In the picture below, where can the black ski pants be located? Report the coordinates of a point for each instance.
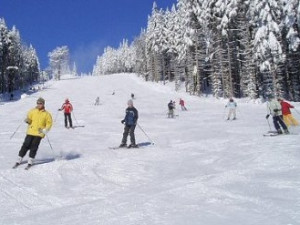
(68, 117)
(129, 130)
(30, 143)
(278, 121)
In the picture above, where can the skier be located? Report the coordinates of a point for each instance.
(97, 101)
(130, 122)
(132, 96)
(171, 107)
(274, 109)
(181, 103)
(232, 109)
(68, 108)
(286, 112)
(39, 123)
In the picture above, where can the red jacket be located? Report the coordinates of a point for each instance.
(181, 102)
(285, 107)
(67, 107)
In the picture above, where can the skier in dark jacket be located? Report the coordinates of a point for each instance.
(130, 122)
(171, 107)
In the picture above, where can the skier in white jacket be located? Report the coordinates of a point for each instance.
(274, 109)
(231, 105)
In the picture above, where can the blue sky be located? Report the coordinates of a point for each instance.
(85, 26)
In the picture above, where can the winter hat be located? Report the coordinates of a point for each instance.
(130, 102)
(41, 100)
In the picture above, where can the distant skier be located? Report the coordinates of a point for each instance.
(274, 109)
(171, 107)
(39, 123)
(113, 92)
(130, 122)
(231, 105)
(181, 103)
(68, 108)
(132, 96)
(286, 112)
(97, 101)
(11, 96)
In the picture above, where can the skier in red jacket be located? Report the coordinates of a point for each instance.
(181, 103)
(286, 112)
(68, 108)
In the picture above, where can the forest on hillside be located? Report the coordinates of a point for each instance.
(232, 48)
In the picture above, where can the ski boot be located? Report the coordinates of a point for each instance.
(133, 146)
(123, 145)
(16, 165)
(28, 166)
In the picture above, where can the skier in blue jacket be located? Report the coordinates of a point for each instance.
(130, 122)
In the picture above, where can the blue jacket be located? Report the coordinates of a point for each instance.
(131, 116)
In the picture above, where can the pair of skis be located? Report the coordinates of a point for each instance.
(275, 133)
(139, 145)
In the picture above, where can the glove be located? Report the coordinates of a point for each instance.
(267, 116)
(44, 131)
(122, 121)
(59, 109)
(276, 110)
(27, 121)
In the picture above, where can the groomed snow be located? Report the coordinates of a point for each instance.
(202, 170)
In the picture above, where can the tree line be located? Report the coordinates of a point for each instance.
(19, 64)
(232, 48)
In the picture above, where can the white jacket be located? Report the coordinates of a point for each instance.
(274, 105)
(231, 105)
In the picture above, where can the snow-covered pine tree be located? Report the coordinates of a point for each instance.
(30, 65)
(245, 56)
(14, 59)
(3, 54)
(74, 70)
(59, 61)
(171, 52)
(202, 39)
(291, 48)
(267, 47)
(183, 40)
(152, 49)
(139, 47)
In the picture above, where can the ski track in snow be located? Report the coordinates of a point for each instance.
(202, 170)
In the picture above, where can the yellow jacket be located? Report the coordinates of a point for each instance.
(38, 120)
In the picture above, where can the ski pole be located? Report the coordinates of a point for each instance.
(145, 134)
(269, 123)
(56, 116)
(51, 147)
(75, 118)
(15, 131)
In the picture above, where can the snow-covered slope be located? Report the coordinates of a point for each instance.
(202, 170)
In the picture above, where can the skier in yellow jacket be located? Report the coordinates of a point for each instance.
(39, 123)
